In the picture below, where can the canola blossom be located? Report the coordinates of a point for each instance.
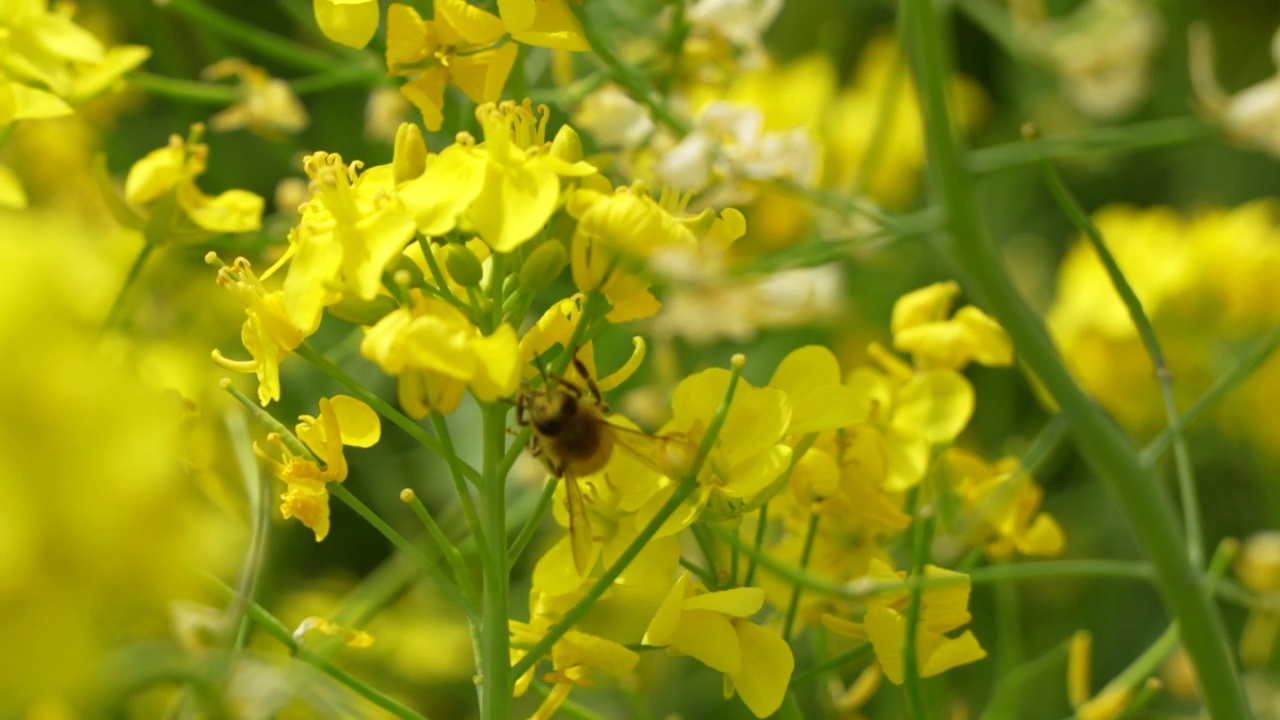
(699, 358)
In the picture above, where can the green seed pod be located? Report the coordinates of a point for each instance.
(462, 266)
(543, 266)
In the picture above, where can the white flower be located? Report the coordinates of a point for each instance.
(613, 118)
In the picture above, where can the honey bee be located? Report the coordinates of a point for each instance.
(573, 437)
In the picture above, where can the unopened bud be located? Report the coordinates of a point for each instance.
(543, 266)
(567, 145)
(410, 155)
(463, 266)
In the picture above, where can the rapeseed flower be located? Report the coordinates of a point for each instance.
(165, 180)
(438, 354)
(506, 187)
(942, 610)
(353, 226)
(715, 629)
(343, 421)
(1001, 502)
(545, 23)
(574, 657)
(268, 333)
(267, 105)
(461, 45)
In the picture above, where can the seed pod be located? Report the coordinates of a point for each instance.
(543, 266)
(463, 266)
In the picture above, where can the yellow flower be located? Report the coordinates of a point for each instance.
(910, 412)
(1003, 500)
(352, 227)
(437, 354)
(267, 106)
(169, 175)
(268, 333)
(924, 326)
(748, 455)
(1107, 704)
(574, 657)
(349, 22)
(942, 610)
(343, 420)
(616, 231)
(506, 187)
(546, 23)
(460, 45)
(714, 628)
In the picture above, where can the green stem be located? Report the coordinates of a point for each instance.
(130, 279)
(1253, 358)
(831, 663)
(531, 525)
(684, 488)
(922, 539)
(1107, 451)
(454, 462)
(192, 91)
(702, 536)
(268, 43)
(794, 605)
(626, 76)
(411, 428)
(430, 568)
(281, 633)
(757, 551)
(337, 78)
(1147, 333)
(495, 688)
(1126, 138)
(448, 549)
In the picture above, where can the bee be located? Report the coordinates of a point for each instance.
(573, 437)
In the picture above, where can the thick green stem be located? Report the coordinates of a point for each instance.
(792, 607)
(495, 637)
(1102, 445)
(130, 279)
(1125, 138)
(265, 42)
(922, 539)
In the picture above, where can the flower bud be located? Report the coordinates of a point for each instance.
(410, 155)
(543, 266)
(463, 266)
(362, 312)
(567, 145)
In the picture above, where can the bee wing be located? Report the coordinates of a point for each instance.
(579, 525)
(667, 454)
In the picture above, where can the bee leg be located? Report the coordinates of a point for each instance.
(586, 377)
(521, 403)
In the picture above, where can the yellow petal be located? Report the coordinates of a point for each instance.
(553, 26)
(928, 304)
(371, 245)
(472, 24)
(936, 404)
(498, 370)
(885, 629)
(844, 627)
(95, 80)
(451, 183)
(482, 75)
(988, 341)
(359, 424)
(233, 211)
(740, 602)
(627, 370)
(555, 572)
(515, 203)
(756, 472)
(908, 456)
(709, 638)
(1079, 664)
(310, 506)
(767, 664)
(516, 15)
(952, 652)
(426, 92)
(349, 22)
(11, 193)
(306, 288)
(158, 172)
(1043, 539)
(407, 40)
(663, 625)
